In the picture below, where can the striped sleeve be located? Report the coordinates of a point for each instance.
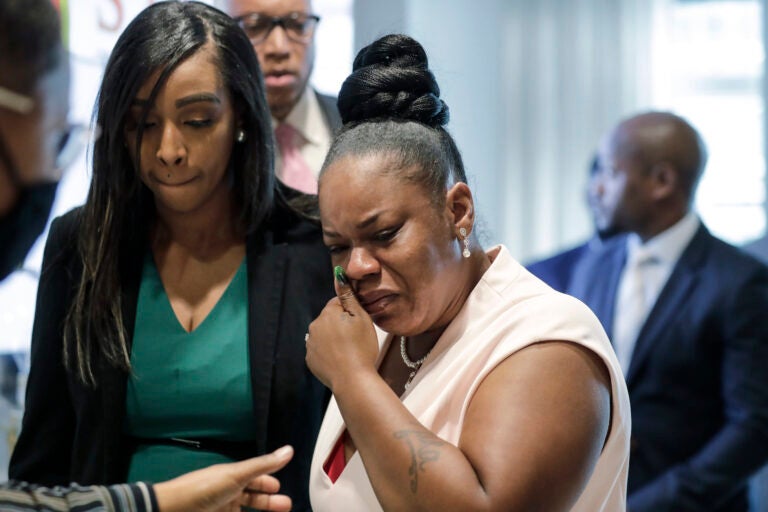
(24, 497)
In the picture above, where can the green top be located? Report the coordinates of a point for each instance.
(187, 384)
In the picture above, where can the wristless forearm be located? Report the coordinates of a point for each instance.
(400, 453)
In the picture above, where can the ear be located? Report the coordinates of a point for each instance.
(665, 180)
(460, 207)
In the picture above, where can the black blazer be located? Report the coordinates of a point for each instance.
(74, 433)
(698, 379)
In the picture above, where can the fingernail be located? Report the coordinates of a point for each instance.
(341, 276)
(283, 452)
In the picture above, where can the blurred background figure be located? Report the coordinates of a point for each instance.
(36, 143)
(34, 134)
(557, 270)
(686, 314)
(283, 34)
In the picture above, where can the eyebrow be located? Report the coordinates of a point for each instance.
(360, 225)
(196, 98)
(182, 102)
(330, 234)
(367, 222)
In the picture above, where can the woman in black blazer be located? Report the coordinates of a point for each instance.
(182, 181)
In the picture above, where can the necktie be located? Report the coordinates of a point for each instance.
(295, 172)
(632, 306)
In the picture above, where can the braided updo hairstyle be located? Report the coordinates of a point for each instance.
(391, 105)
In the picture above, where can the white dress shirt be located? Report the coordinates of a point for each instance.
(660, 254)
(308, 119)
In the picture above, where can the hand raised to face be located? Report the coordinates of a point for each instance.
(342, 340)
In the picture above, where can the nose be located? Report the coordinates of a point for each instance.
(277, 43)
(171, 151)
(361, 264)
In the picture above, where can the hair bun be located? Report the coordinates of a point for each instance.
(391, 79)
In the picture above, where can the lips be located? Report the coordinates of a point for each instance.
(173, 185)
(375, 301)
(279, 78)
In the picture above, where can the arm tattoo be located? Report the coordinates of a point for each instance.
(424, 447)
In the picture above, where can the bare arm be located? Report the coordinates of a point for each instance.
(531, 438)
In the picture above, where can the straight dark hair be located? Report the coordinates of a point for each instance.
(119, 210)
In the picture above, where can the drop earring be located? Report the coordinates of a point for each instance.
(465, 241)
(240, 136)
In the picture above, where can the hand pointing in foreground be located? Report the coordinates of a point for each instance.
(227, 487)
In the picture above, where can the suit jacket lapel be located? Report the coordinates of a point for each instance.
(330, 111)
(113, 383)
(596, 279)
(613, 275)
(267, 264)
(671, 299)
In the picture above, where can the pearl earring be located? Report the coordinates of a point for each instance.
(240, 136)
(465, 241)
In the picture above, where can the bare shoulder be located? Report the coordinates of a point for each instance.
(545, 408)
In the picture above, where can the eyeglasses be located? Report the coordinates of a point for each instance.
(71, 140)
(14, 101)
(298, 26)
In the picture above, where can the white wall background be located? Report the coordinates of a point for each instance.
(531, 87)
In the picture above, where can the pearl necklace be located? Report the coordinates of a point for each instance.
(413, 365)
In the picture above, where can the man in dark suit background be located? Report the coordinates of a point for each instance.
(686, 313)
(282, 33)
(557, 270)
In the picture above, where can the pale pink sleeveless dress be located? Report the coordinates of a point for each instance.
(509, 309)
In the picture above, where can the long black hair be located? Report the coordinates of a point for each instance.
(119, 209)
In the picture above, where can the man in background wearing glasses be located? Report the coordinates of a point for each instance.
(34, 135)
(36, 144)
(282, 33)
